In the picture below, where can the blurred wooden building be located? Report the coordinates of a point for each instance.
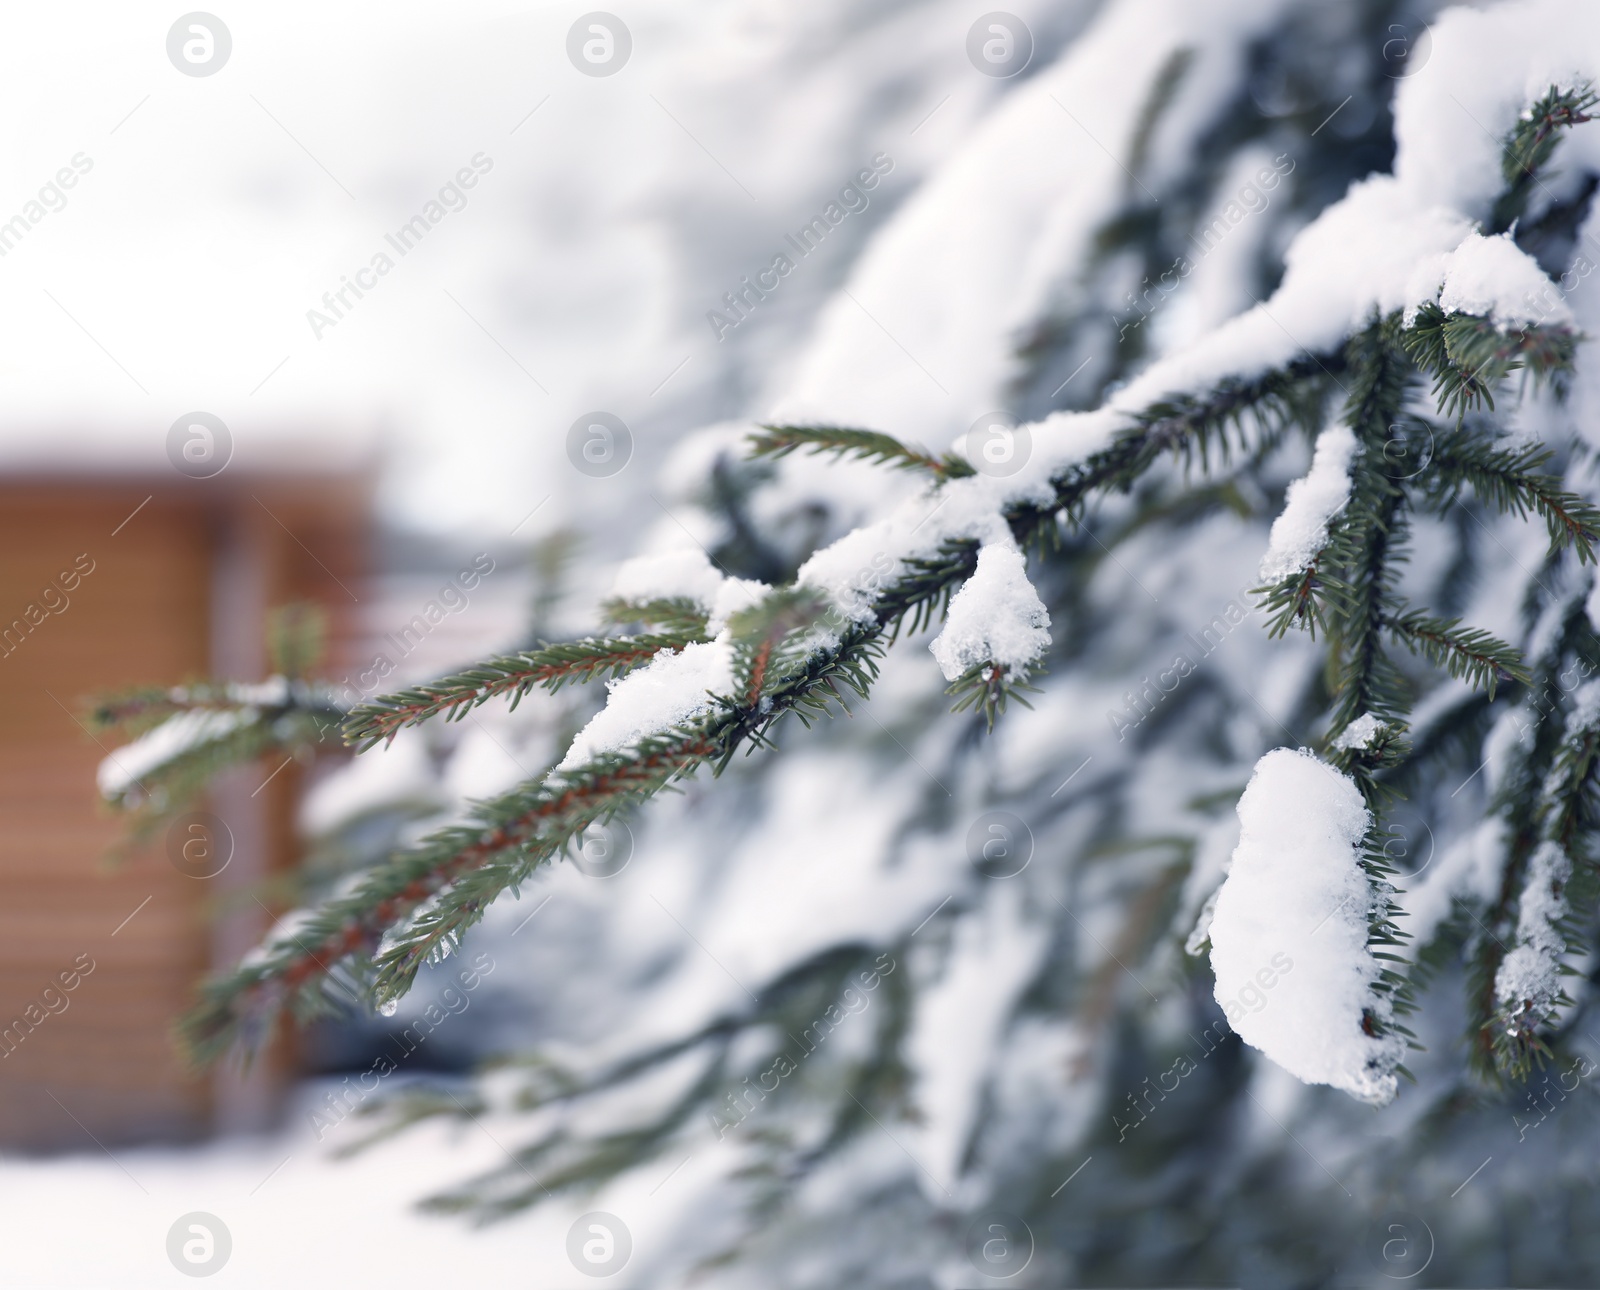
(110, 578)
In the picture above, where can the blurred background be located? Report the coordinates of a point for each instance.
(429, 316)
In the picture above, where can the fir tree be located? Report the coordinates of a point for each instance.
(1418, 715)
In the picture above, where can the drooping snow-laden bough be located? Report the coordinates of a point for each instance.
(1406, 311)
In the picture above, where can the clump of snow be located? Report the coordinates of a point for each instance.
(996, 617)
(734, 595)
(1491, 276)
(1585, 709)
(124, 768)
(1530, 975)
(1359, 733)
(272, 692)
(1583, 718)
(688, 573)
(674, 687)
(1289, 947)
(1313, 502)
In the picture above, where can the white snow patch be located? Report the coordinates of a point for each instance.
(1585, 709)
(122, 769)
(1009, 217)
(1313, 502)
(1491, 276)
(1359, 733)
(674, 687)
(688, 573)
(1293, 913)
(996, 617)
(1531, 972)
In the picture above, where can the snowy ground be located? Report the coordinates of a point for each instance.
(295, 1216)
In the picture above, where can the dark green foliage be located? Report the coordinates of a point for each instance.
(726, 1092)
(1552, 796)
(776, 442)
(793, 652)
(1467, 654)
(349, 948)
(1469, 356)
(507, 675)
(674, 616)
(1532, 144)
(1513, 481)
(987, 688)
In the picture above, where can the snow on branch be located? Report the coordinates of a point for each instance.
(996, 619)
(687, 574)
(511, 676)
(777, 442)
(1295, 909)
(1299, 889)
(674, 688)
(1313, 502)
(1492, 277)
(178, 736)
(185, 735)
(1529, 979)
